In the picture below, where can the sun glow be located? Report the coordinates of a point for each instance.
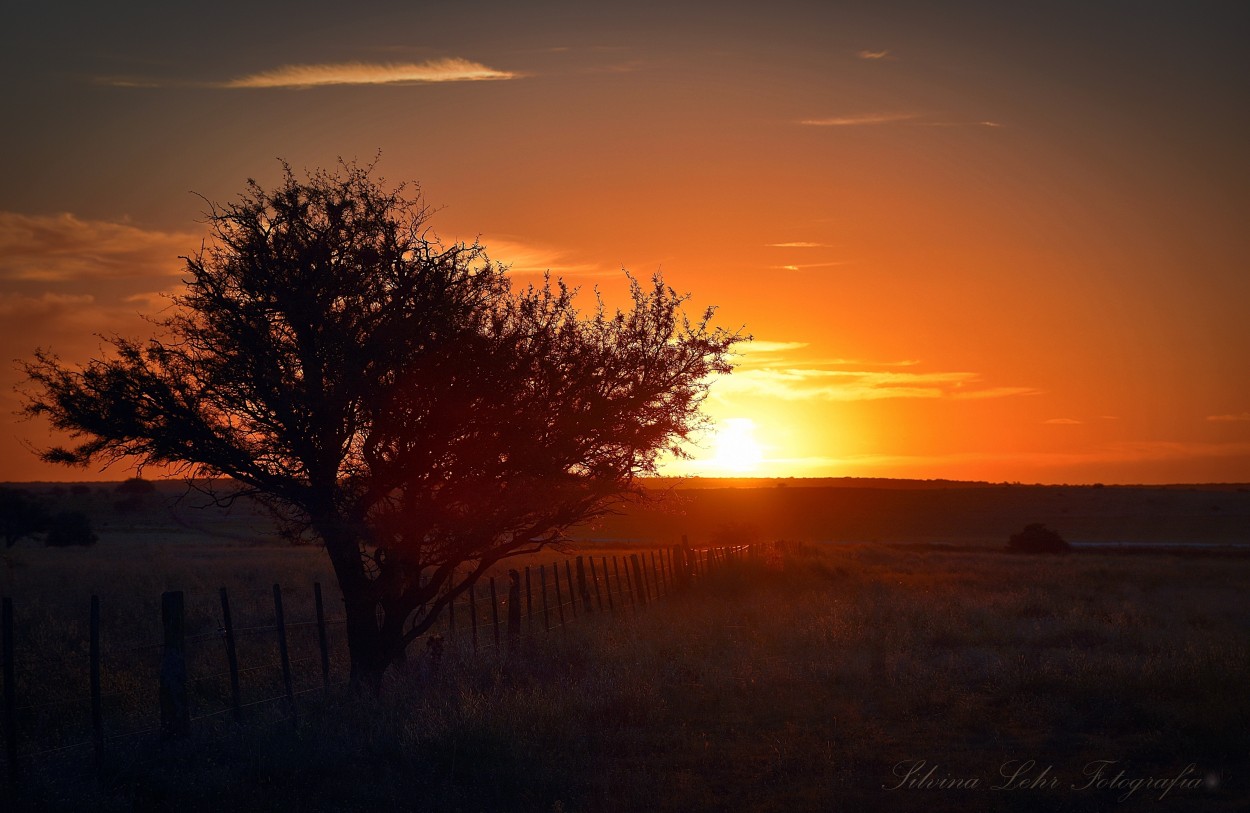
(736, 448)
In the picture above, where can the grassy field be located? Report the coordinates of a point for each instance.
(854, 676)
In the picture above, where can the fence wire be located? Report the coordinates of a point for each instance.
(471, 624)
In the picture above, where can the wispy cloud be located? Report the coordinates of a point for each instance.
(874, 55)
(1062, 422)
(64, 247)
(762, 346)
(860, 119)
(1240, 417)
(805, 266)
(984, 123)
(773, 369)
(43, 307)
(773, 354)
(797, 244)
(365, 73)
(907, 119)
(798, 383)
(528, 258)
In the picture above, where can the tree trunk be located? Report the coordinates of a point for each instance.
(368, 650)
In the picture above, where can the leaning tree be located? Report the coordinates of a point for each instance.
(397, 399)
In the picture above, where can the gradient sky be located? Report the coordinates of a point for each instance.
(973, 240)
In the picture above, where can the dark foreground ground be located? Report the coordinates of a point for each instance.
(856, 675)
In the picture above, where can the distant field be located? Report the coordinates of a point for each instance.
(904, 511)
(174, 540)
(896, 657)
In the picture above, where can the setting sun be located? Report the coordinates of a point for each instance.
(735, 447)
(967, 245)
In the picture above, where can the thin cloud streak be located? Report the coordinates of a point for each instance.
(762, 346)
(874, 55)
(364, 73)
(798, 244)
(805, 266)
(908, 119)
(860, 120)
(61, 247)
(1241, 417)
(812, 384)
(45, 307)
(527, 258)
(985, 123)
(768, 369)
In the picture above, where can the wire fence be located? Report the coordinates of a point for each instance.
(261, 657)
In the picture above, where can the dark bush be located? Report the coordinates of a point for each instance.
(128, 505)
(1037, 538)
(136, 486)
(70, 528)
(20, 515)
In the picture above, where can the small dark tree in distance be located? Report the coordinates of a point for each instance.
(68, 528)
(21, 515)
(1037, 538)
(133, 491)
(392, 397)
(135, 487)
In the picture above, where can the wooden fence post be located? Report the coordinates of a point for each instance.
(594, 577)
(232, 657)
(175, 709)
(620, 589)
(473, 612)
(555, 569)
(542, 578)
(568, 579)
(322, 643)
(607, 583)
(97, 710)
(283, 654)
(581, 584)
(529, 602)
(627, 592)
(514, 606)
(10, 694)
(494, 611)
(451, 612)
(640, 587)
(657, 576)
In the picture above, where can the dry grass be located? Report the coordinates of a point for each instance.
(800, 689)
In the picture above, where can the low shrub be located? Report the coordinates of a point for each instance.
(1037, 538)
(69, 528)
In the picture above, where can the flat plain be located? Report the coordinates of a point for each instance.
(896, 657)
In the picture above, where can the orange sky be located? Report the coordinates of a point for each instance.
(971, 242)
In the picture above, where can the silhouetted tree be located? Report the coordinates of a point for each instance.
(21, 515)
(391, 396)
(68, 528)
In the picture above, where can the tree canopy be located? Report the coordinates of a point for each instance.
(398, 399)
